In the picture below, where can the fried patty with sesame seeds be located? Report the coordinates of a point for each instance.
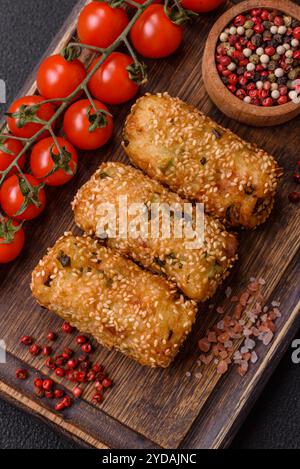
(182, 148)
(197, 271)
(103, 294)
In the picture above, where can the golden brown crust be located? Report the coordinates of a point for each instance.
(196, 271)
(110, 297)
(182, 148)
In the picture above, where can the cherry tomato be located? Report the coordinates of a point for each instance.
(58, 77)
(112, 83)
(154, 35)
(9, 150)
(201, 6)
(21, 201)
(12, 239)
(45, 112)
(51, 167)
(100, 25)
(81, 128)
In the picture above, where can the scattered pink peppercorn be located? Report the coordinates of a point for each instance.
(47, 384)
(67, 328)
(60, 372)
(22, 374)
(294, 197)
(297, 178)
(26, 340)
(35, 350)
(38, 383)
(86, 348)
(51, 336)
(58, 393)
(46, 351)
(81, 339)
(77, 392)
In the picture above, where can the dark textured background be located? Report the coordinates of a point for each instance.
(26, 28)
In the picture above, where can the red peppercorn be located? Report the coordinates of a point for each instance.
(270, 50)
(296, 54)
(46, 351)
(267, 102)
(48, 384)
(58, 393)
(67, 328)
(265, 15)
(239, 20)
(51, 336)
(87, 348)
(77, 392)
(296, 33)
(248, 75)
(35, 350)
(251, 86)
(81, 339)
(297, 178)
(233, 39)
(26, 340)
(253, 93)
(72, 364)
(294, 197)
(278, 20)
(237, 55)
(233, 79)
(282, 100)
(50, 363)
(38, 382)
(255, 12)
(21, 374)
(225, 61)
(259, 28)
(226, 73)
(106, 383)
(60, 372)
(49, 395)
(221, 50)
(240, 93)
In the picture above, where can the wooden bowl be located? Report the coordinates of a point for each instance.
(227, 102)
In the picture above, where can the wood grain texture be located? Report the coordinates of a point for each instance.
(220, 95)
(165, 408)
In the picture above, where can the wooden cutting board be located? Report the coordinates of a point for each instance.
(160, 408)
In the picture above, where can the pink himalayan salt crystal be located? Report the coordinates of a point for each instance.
(222, 367)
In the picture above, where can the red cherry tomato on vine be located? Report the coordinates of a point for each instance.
(112, 83)
(49, 165)
(9, 150)
(201, 6)
(100, 25)
(58, 77)
(154, 35)
(22, 197)
(15, 125)
(86, 130)
(12, 239)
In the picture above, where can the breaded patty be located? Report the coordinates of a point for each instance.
(182, 148)
(196, 271)
(122, 306)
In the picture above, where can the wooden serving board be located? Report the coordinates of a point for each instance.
(161, 408)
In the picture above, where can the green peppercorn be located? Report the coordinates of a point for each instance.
(272, 77)
(275, 57)
(256, 40)
(272, 65)
(249, 33)
(254, 58)
(290, 83)
(289, 60)
(287, 20)
(230, 51)
(248, 24)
